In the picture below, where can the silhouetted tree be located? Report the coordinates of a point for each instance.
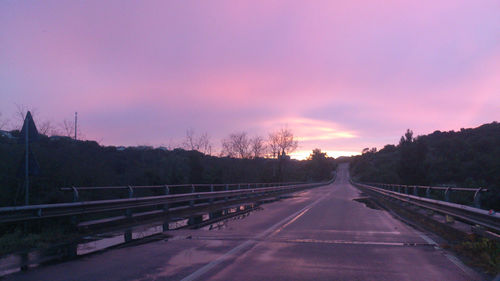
(20, 113)
(468, 158)
(3, 122)
(47, 128)
(68, 128)
(282, 143)
(412, 158)
(257, 147)
(319, 166)
(201, 143)
(65, 162)
(236, 145)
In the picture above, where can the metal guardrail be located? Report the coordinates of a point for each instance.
(467, 214)
(196, 186)
(179, 188)
(33, 212)
(217, 200)
(446, 190)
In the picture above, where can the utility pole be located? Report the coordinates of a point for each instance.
(27, 178)
(76, 120)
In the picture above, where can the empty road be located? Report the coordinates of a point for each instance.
(317, 234)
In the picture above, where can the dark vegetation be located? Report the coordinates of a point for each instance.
(476, 251)
(467, 158)
(65, 162)
(480, 252)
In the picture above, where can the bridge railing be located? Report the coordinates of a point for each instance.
(472, 215)
(444, 193)
(158, 205)
(130, 191)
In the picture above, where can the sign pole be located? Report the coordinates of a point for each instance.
(76, 120)
(26, 181)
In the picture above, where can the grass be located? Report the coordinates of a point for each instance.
(481, 252)
(476, 251)
(17, 241)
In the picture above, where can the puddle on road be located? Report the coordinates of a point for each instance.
(100, 242)
(238, 213)
(93, 243)
(368, 202)
(224, 223)
(184, 259)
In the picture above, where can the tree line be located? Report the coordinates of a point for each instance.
(46, 127)
(466, 158)
(66, 162)
(278, 143)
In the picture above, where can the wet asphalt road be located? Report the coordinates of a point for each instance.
(318, 234)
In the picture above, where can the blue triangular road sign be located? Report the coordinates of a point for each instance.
(29, 125)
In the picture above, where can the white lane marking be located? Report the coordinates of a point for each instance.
(198, 273)
(427, 239)
(450, 257)
(360, 232)
(348, 242)
(290, 222)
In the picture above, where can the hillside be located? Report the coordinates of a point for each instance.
(64, 162)
(465, 158)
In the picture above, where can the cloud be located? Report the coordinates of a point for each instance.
(308, 130)
(343, 75)
(304, 154)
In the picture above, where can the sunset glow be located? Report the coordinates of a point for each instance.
(343, 75)
(304, 154)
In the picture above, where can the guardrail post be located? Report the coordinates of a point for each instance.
(167, 192)
(428, 192)
(239, 187)
(399, 188)
(407, 187)
(24, 262)
(477, 198)
(127, 235)
(130, 195)
(447, 194)
(191, 203)
(211, 190)
(165, 226)
(76, 198)
(415, 190)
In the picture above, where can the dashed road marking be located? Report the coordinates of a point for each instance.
(198, 273)
(350, 242)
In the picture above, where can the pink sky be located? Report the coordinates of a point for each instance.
(343, 75)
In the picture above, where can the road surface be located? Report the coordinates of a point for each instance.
(318, 234)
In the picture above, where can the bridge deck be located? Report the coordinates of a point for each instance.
(319, 234)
